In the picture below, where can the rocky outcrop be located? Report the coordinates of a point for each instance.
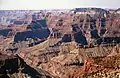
(91, 26)
(98, 67)
(81, 61)
(15, 67)
(61, 65)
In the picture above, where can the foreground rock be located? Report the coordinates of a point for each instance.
(15, 67)
(99, 67)
(61, 65)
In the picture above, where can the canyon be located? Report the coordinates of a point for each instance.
(71, 43)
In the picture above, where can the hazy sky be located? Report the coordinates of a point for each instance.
(53, 4)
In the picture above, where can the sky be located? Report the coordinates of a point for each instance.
(57, 4)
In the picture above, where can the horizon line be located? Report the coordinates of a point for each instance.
(115, 8)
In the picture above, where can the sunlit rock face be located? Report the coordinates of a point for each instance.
(37, 29)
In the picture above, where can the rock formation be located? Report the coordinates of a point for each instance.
(76, 43)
